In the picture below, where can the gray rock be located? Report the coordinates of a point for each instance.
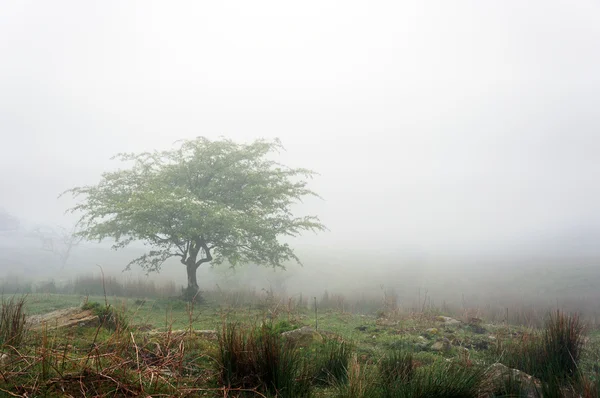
(64, 318)
(4, 359)
(303, 336)
(441, 345)
(499, 376)
(448, 321)
(431, 331)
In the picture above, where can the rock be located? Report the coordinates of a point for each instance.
(64, 318)
(423, 343)
(477, 329)
(448, 321)
(385, 322)
(304, 336)
(499, 376)
(144, 327)
(441, 345)
(4, 359)
(205, 334)
(480, 345)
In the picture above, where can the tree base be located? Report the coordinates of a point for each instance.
(191, 294)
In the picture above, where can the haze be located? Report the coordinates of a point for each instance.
(438, 128)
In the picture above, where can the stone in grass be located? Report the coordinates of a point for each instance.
(499, 376)
(442, 345)
(385, 322)
(303, 336)
(448, 321)
(477, 329)
(422, 343)
(4, 359)
(64, 318)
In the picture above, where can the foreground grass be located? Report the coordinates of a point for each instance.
(380, 356)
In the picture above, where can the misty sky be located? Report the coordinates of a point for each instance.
(433, 124)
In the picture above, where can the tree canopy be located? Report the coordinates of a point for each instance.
(203, 201)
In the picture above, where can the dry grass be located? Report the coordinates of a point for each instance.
(12, 321)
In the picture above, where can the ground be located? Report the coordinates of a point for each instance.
(189, 361)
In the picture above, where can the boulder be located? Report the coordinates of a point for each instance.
(422, 343)
(500, 376)
(303, 336)
(68, 317)
(442, 345)
(476, 328)
(446, 320)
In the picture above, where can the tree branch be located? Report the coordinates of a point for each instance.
(206, 249)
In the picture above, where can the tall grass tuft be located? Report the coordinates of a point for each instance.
(361, 381)
(552, 356)
(110, 317)
(12, 321)
(563, 344)
(331, 362)
(258, 359)
(396, 369)
(443, 380)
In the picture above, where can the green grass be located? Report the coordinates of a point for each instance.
(389, 357)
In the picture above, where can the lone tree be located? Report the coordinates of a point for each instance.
(204, 201)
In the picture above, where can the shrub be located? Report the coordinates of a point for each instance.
(12, 321)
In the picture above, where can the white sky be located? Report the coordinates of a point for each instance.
(433, 123)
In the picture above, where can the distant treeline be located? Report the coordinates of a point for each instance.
(92, 285)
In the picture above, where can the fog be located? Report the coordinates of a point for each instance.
(445, 134)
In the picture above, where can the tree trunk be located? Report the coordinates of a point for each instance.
(191, 275)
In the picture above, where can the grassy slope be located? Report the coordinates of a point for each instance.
(371, 336)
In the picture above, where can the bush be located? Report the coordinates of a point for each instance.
(12, 321)
(260, 359)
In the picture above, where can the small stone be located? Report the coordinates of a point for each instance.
(441, 345)
(448, 321)
(477, 329)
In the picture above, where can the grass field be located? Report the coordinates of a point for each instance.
(146, 356)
